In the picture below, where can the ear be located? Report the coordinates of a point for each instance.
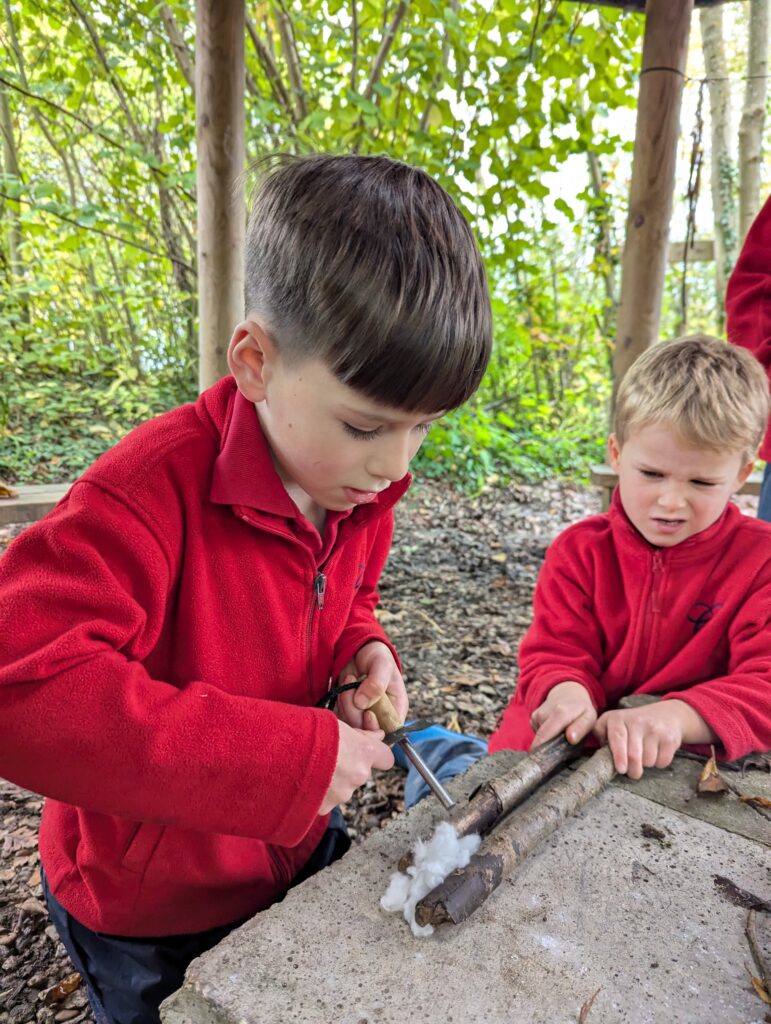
(744, 472)
(251, 352)
(614, 452)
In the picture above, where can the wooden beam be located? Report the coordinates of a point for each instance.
(665, 49)
(219, 94)
(31, 503)
(700, 250)
(639, 5)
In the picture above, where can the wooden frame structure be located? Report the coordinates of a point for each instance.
(220, 75)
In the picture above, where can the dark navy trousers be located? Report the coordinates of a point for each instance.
(126, 978)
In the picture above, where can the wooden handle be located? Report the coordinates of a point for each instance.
(386, 714)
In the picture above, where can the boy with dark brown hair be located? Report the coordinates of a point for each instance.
(169, 630)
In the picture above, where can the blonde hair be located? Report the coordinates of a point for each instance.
(714, 395)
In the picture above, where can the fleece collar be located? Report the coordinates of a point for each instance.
(244, 474)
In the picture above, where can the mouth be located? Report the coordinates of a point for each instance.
(668, 525)
(357, 497)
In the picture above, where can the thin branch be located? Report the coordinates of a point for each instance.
(354, 44)
(289, 45)
(272, 73)
(98, 231)
(109, 71)
(385, 47)
(179, 46)
(90, 128)
(441, 71)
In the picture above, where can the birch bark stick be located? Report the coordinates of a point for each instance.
(466, 889)
(497, 797)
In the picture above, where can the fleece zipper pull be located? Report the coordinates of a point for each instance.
(320, 589)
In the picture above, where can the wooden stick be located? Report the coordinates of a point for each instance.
(467, 888)
(497, 797)
(758, 931)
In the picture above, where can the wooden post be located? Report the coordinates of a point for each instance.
(219, 96)
(665, 49)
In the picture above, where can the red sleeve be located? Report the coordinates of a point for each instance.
(737, 706)
(748, 296)
(362, 626)
(564, 640)
(83, 595)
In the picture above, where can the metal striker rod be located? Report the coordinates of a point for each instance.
(441, 793)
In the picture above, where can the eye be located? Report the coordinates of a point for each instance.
(362, 435)
(424, 428)
(703, 483)
(651, 474)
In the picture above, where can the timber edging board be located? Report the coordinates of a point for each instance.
(604, 477)
(31, 503)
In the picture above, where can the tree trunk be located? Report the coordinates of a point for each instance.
(753, 116)
(723, 170)
(665, 49)
(219, 90)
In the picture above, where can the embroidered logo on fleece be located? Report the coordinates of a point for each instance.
(702, 613)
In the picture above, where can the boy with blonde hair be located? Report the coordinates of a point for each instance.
(669, 593)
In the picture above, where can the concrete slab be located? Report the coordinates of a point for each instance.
(599, 906)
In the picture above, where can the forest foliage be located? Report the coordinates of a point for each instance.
(513, 106)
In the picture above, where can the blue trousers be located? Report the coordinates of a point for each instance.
(127, 978)
(764, 501)
(446, 753)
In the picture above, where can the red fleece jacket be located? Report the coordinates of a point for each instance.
(748, 299)
(620, 616)
(163, 641)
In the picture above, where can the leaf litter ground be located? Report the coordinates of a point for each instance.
(455, 599)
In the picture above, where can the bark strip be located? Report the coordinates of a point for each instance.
(466, 889)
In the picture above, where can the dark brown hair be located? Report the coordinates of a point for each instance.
(368, 264)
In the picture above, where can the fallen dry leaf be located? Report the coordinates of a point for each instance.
(710, 780)
(586, 1008)
(760, 801)
(62, 990)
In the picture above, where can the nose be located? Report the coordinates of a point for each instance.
(391, 459)
(671, 497)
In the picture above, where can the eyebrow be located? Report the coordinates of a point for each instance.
(376, 417)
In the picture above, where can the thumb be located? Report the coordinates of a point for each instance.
(371, 689)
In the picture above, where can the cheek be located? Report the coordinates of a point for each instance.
(417, 444)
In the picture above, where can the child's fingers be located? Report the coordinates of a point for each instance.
(650, 751)
(552, 726)
(582, 726)
(634, 753)
(616, 736)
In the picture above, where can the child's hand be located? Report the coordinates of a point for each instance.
(569, 709)
(646, 737)
(375, 661)
(358, 753)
